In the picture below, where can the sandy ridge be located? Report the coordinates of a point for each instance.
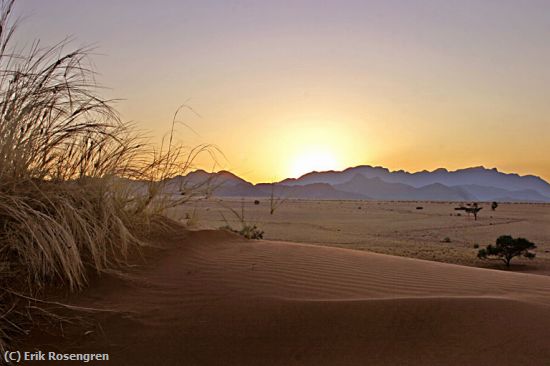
(216, 299)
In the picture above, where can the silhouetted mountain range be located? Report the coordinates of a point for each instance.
(378, 183)
(226, 184)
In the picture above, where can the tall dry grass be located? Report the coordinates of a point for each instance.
(78, 186)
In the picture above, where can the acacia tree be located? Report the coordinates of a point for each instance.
(506, 248)
(471, 209)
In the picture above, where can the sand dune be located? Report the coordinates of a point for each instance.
(216, 299)
(395, 228)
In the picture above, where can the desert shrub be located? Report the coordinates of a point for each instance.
(275, 201)
(494, 206)
(79, 189)
(64, 156)
(191, 219)
(251, 232)
(446, 240)
(227, 228)
(256, 202)
(476, 246)
(506, 248)
(248, 231)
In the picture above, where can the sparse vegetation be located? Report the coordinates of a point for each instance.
(494, 205)
(274, 201)
(78, 187)
(249, 231)
(506, 248)
(446, 240)
(470, 209)
(191, 219)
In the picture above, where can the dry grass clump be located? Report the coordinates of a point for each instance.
(77, 186)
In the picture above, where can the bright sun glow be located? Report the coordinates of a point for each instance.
(313, 160)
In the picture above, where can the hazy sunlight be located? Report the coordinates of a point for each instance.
(318, 159)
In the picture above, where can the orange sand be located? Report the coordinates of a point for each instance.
(216, 299)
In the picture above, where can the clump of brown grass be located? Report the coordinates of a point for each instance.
(247, 230)
(77, 186)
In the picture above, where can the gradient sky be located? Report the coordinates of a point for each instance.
(288, 86)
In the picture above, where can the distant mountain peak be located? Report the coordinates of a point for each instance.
(475, 175)
(467, 184)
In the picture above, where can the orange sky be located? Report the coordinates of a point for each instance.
(290, 86)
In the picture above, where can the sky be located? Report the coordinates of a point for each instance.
(289, 86)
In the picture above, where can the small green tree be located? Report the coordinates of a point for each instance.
(506, 248)
(494, 205)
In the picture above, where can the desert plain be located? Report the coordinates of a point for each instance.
(424, 230)
(332, 283)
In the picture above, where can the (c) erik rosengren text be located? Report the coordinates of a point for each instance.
(24, 356)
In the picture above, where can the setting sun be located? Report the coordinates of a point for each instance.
(318, 159)
(275, 182)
